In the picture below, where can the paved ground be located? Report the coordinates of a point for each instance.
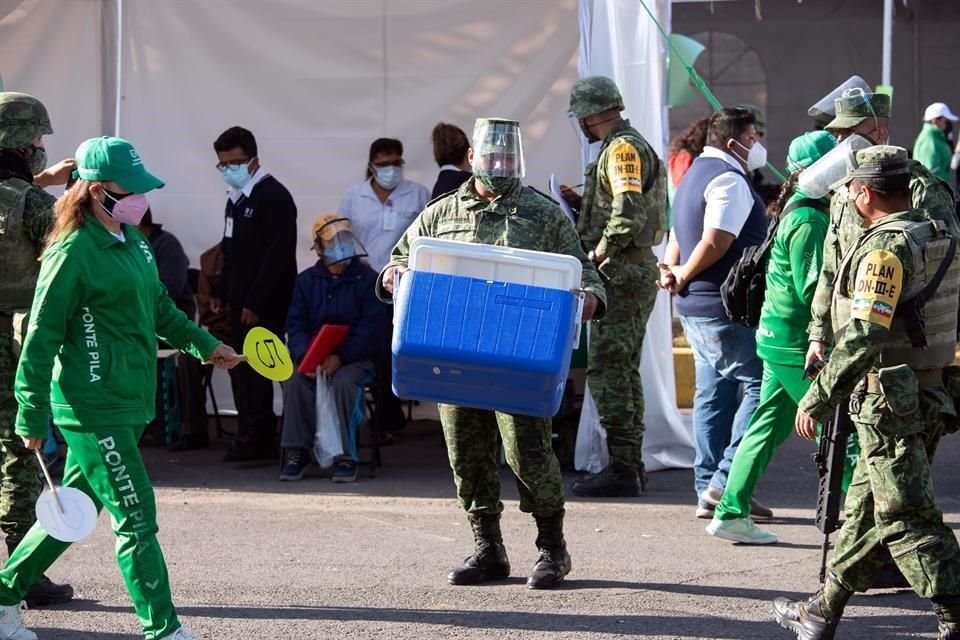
(253, 558)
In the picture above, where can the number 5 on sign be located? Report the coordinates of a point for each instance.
(267, 355)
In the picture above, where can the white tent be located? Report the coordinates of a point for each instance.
(317, 81)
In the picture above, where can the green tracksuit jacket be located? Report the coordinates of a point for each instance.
(89, 357)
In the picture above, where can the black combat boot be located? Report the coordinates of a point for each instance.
(813, 619)
(45, 592)
(554, 561)
(615, 481)
(947, 609)
(489, 560)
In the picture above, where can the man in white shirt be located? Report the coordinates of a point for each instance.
(382, 207)
(716, 215)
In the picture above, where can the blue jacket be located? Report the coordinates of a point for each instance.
(319, 298)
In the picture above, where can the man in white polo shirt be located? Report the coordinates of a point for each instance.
(716, 215)
(380, 209)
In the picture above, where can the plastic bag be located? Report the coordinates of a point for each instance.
(591, 454)
(327, 444)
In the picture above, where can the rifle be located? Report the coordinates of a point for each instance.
(830, 459)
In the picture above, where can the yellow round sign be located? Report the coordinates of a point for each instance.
(267, 354)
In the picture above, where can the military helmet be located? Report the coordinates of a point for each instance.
(594, 94)
(23, 118)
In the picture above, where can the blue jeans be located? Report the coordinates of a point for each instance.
(725, 355)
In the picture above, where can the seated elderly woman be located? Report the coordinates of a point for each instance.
(338, 289)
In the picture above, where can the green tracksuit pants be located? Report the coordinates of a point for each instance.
(106, 465)
(781, 389)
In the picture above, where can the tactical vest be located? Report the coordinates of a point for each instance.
(929, 243)
(653, 197)
(19, 266)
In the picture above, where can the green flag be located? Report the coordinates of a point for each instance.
(679, 89)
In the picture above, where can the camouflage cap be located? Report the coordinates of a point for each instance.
(23, 118)
(880, 161)
(594, 94)
(855, 108)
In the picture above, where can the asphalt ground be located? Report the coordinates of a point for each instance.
(251, 557)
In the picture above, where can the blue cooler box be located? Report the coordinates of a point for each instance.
(482, 343)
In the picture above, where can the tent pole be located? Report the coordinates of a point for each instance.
(887, 42)
(119, 96)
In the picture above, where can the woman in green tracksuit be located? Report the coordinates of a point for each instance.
(89, 359)
(793, 269)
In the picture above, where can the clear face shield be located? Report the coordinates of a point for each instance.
(826, 174)
(826, 106)
(497, 149)
(336, 243)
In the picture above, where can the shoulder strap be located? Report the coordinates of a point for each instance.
(810, 203)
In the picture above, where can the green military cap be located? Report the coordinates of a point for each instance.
(22, 119)
(880, 161)
(854, 108)
(594, 94)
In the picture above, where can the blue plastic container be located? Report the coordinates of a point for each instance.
(482, 343)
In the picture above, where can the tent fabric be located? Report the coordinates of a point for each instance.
(619, 40)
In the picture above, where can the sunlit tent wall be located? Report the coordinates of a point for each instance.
(317, 82)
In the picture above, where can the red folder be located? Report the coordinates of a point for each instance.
(330, 337)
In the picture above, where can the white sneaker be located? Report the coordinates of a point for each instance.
(181, 634)
(740, 530)
(11, 624)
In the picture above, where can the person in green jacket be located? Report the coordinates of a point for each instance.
(932, 148)
(793, 268)
(89, 360)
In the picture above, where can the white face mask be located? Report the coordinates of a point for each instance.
(756, 155)
(389, 177)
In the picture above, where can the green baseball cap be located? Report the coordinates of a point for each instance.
(109, 159)
(855, 108)
(807, 148)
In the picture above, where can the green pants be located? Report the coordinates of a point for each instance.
(19, 480)
(106, 465)
(613, 368)
(471, 436)
(781, 389)
(890, 506)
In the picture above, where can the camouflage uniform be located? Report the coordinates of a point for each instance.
(622, 215)
(523, 218)
(26, 213)
(897, 402)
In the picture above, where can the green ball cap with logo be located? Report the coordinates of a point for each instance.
(109, 159)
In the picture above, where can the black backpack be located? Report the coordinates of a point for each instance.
(746, 285)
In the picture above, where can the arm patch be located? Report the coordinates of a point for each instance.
(624, 169)
(877, 288)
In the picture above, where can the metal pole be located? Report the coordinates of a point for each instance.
(119, 96)
(887, 42)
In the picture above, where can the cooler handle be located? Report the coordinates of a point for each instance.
(581, 297)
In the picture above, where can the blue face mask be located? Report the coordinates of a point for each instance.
(339, 252)
(389, 177)
(237, 175)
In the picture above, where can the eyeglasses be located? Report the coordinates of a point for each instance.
(222, 166)
(389, 163)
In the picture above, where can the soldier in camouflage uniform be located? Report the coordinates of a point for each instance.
(494, 208)
(891, 348)
(623, 213)
(26, 211)
(869, 116)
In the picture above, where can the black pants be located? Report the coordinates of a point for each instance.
(193, 400)
(252, 396)
(391, 413)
